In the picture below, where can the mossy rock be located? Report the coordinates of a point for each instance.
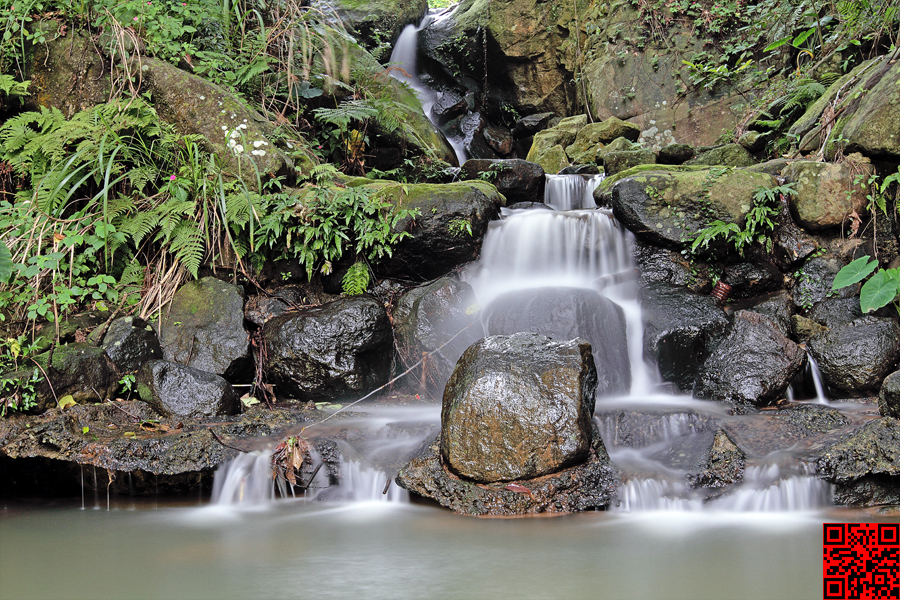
(669, 207)
(554, 160)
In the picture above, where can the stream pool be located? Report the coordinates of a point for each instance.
(298, 549)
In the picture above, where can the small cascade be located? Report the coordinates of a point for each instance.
(245, 481)
(541, 248)
(570, 192)
(404, 55)
(816, 377)
(368, 484)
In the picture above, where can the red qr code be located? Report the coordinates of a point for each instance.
(860, 560)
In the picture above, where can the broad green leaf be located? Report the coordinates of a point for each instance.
(803, 37)
(879, 290)
(67, 400)
(855, 272)
(777, 44)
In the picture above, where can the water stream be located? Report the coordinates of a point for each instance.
(355, 534)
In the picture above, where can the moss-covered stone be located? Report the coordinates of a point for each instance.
(376, 24)
(547, 139)
(826, 193)
(669, 207)
(729, 155)
(554, 160)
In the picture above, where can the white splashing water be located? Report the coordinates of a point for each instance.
(821, 398)
(568, 192)
(245, 481)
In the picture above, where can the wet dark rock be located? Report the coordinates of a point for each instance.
(564, 314)
(889, 396)
(80, 370)
(263, 307)
(814, 281)
(675, 154)
(472, 127)
(533, 123)
(752, 279)
(174, 390)
(754, 364)
(723, 464)
(518, 180)
(204, 329)
(792, 245)
(428, 317)
(437, 244)
(590, 485)
(680, 331)
(339, 350)
(865, 467)
(447, 106)
(72, 329)
(858, 356)
(777, 306)
(130, 342)
(658, 265)
(834, 312)
(499, 139)
(518, 407)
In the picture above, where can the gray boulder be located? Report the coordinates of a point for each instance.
(204, 329)
(176, 390)
(518, 407)
(858, 356)
(564, 314)
(680, 331)
(130, 342)
(730, 155)
(339, 350)
(825, 194)
(80, 370)
(754, 364)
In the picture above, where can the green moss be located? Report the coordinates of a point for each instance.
(608, 182)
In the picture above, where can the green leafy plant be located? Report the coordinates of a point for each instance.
(757, 227)
(881, 288)
(458, 227)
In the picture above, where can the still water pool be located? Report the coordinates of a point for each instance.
(296, 549)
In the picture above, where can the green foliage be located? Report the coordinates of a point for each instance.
(356, 279)
(460, 226)
(17, 392)
(882, 288)
(757, 227)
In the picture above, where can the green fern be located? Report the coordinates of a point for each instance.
(356, 280)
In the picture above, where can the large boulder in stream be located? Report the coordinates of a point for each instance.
(753, 365)
(204, 329)
(435, 323)
(680, 331)
(338, 350)
(564, 314)
(856, 357)
(174, 390)
(669, 207)
(518, 407)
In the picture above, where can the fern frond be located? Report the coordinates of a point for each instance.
(345, 112)
(188, 244)
(356, 280)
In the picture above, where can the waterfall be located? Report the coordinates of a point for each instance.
(567, 192)
(404, 56)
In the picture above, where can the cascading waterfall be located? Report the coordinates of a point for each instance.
(583, 253)
(404, 56)
(569, 192)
